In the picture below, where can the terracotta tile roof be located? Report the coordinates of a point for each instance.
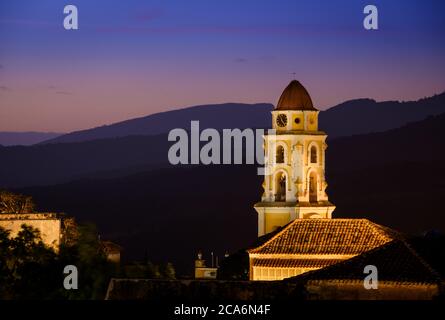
(396, 261)
(326, 236)
(294, 263)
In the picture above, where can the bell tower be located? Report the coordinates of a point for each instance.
(295, 184)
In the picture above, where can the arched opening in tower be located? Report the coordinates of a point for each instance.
(313, 154)
(313, 187)
(280, 154)
(280, 182)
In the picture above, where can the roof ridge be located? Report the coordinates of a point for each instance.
(272, 238)
(388, 233)
(422, 260)
(307, 275)
(346, 261)
(295, 221)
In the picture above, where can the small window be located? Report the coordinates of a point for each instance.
(280, 154)
(313, 154)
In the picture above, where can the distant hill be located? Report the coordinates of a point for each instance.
(25, 138)
(348, 118)
(58, 163)
(394, 178)
(415, 142)
(46, 164)
(367, 116)
(218, 116)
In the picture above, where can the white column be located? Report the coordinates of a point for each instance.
(260, 223)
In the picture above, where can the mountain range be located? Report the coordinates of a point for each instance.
(8, 138)
(348, 118)
(140, 144)
(217, 116)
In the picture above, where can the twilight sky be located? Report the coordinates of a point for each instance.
(133, 58)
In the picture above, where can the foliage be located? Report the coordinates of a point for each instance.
(169, 271)
(15, 203)
(235, 266)
(94, 269)
(70, 231)
(149, 270)
(31, 270)
(28, 267)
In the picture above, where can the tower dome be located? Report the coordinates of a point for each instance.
(295, 97)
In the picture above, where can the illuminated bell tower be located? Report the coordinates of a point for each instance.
(295, 184)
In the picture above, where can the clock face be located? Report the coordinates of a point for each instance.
(281, 120)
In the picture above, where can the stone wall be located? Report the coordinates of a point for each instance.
(49, 225)
(348, 290)
(217, 290)
(189, 290)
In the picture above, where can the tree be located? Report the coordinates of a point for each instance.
(235, 266)
(149, 270)
(152, 271)
(168, 271)
(28, 267)
(15, 203)
(5, 256)
(31, 270)
(94, 270)
(70, 231)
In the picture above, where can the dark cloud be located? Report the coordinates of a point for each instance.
(5, 88)
(240, 60)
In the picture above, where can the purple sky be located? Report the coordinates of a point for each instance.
(133, 58)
